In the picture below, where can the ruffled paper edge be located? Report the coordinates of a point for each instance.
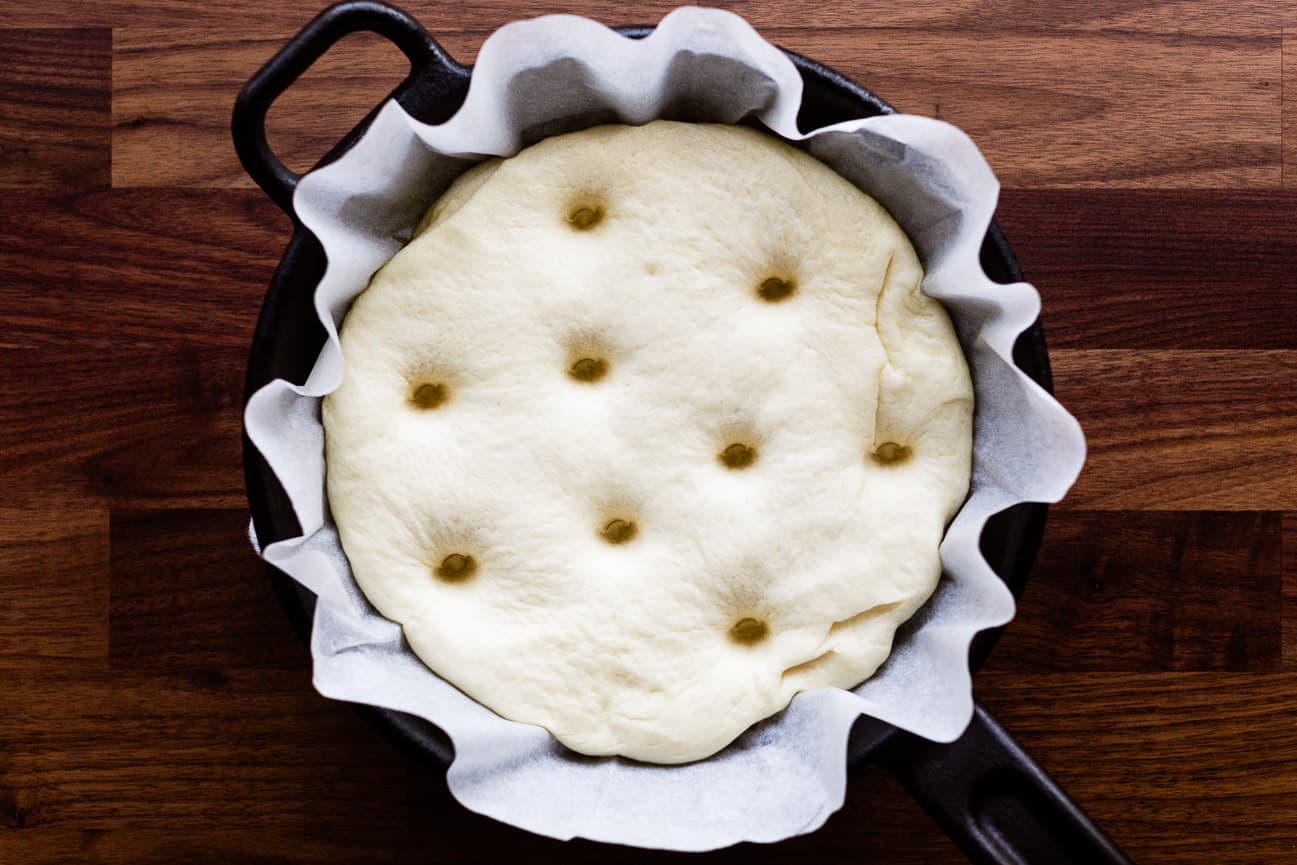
(282, 415)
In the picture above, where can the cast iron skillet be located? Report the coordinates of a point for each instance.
(995, 802)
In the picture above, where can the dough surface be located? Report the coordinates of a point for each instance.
(647, 430)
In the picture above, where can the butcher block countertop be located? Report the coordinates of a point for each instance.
(155, 704)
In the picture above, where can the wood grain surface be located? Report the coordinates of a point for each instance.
(158, 708)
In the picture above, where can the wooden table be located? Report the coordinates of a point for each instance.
(155, 705)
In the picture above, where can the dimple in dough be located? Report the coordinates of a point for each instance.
(531, 458)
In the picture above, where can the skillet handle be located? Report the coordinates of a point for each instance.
(995, 802)
(430, 68)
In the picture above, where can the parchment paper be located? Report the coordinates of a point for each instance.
(560, 73)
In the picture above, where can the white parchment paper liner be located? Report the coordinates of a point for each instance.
(560, 73)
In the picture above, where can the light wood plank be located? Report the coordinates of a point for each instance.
(54, 583)
(1049, 108)
(173, 90)
(1063, 110)
(123, 269)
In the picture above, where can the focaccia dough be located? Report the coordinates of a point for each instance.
(647, 430)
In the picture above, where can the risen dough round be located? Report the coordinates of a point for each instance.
(532, 461)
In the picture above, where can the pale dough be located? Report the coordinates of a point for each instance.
(530, 459)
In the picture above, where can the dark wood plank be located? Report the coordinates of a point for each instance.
(201, 748)
(127, 268)
(134, 846)
(54, 590)
(1132, 591)
(153, 427)
(879, 823)
(1290, 591)
(1059, 109)
(1159, 269)
(188, 591)
(1183, 430)
(1289, 64)
(55, 89)
(1054, 108)
(1138, 751)
(1178, 767)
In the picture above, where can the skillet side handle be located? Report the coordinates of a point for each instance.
(248, 122)
(995, 802)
